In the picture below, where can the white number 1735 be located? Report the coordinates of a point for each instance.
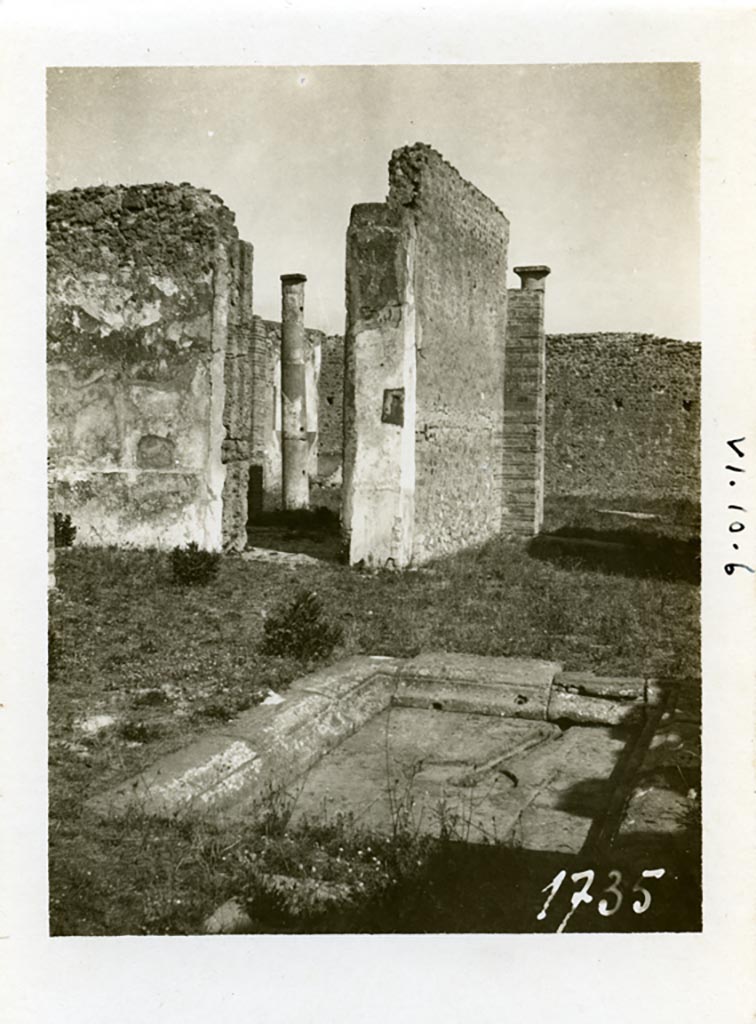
(611, 899)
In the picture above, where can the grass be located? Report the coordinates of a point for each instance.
(166, 662)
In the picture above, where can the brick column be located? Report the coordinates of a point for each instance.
(295, 445)
(524, 405)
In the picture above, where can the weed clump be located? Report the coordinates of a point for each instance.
(53, 654)
(136, 731)
(299, 629)
(324, 874)
(65, 531)
(191, 566)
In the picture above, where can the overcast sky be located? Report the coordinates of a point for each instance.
(596, 167)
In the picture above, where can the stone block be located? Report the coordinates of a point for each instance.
(507, 686)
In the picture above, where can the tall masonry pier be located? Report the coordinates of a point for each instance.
(524, 405)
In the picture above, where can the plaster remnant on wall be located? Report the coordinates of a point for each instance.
(378, 489)
(143, 293)
(433, 324)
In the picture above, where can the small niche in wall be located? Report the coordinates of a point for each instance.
(393, 406)
(154, 452)
(687, 404)
(254, 495)
(618, 403)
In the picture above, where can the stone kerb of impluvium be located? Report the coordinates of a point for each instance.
(295, 447)
(230, 770)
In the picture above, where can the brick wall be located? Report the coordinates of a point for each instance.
(148, 290)
(622, 415)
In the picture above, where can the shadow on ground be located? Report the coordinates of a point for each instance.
(490, 889)
(314, 532)
(624, 552)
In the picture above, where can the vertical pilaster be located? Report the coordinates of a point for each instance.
(378, 491)
(524, 405)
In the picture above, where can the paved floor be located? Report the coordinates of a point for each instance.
(479, 778)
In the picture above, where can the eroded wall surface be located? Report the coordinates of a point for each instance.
(622, 413)
(148, 292)
(378, 490)
(424, 363)
(622, 416)
(461, 301)
(331, 406)
(238, 386)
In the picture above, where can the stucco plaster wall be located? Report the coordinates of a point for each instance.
(142, 291)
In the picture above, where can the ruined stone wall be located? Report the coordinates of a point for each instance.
(148, 291)
(266, 414)
(331, 406)
(236, 450)
(622, 415)
(460, 296)
(378, 490)
(641, 391)
(424, 363)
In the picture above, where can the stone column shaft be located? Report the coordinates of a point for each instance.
(294, 446)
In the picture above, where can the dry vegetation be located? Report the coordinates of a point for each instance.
(164, 662)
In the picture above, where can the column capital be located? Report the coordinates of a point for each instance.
(533, 279)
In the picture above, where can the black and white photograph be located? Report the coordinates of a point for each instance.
(373, 416)
(377, 513)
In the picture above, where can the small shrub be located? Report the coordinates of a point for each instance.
(53, 654)
(191, 566)
(136, 731)
(150, 698)
(318, 874)
(65, 531)
(300, 629)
